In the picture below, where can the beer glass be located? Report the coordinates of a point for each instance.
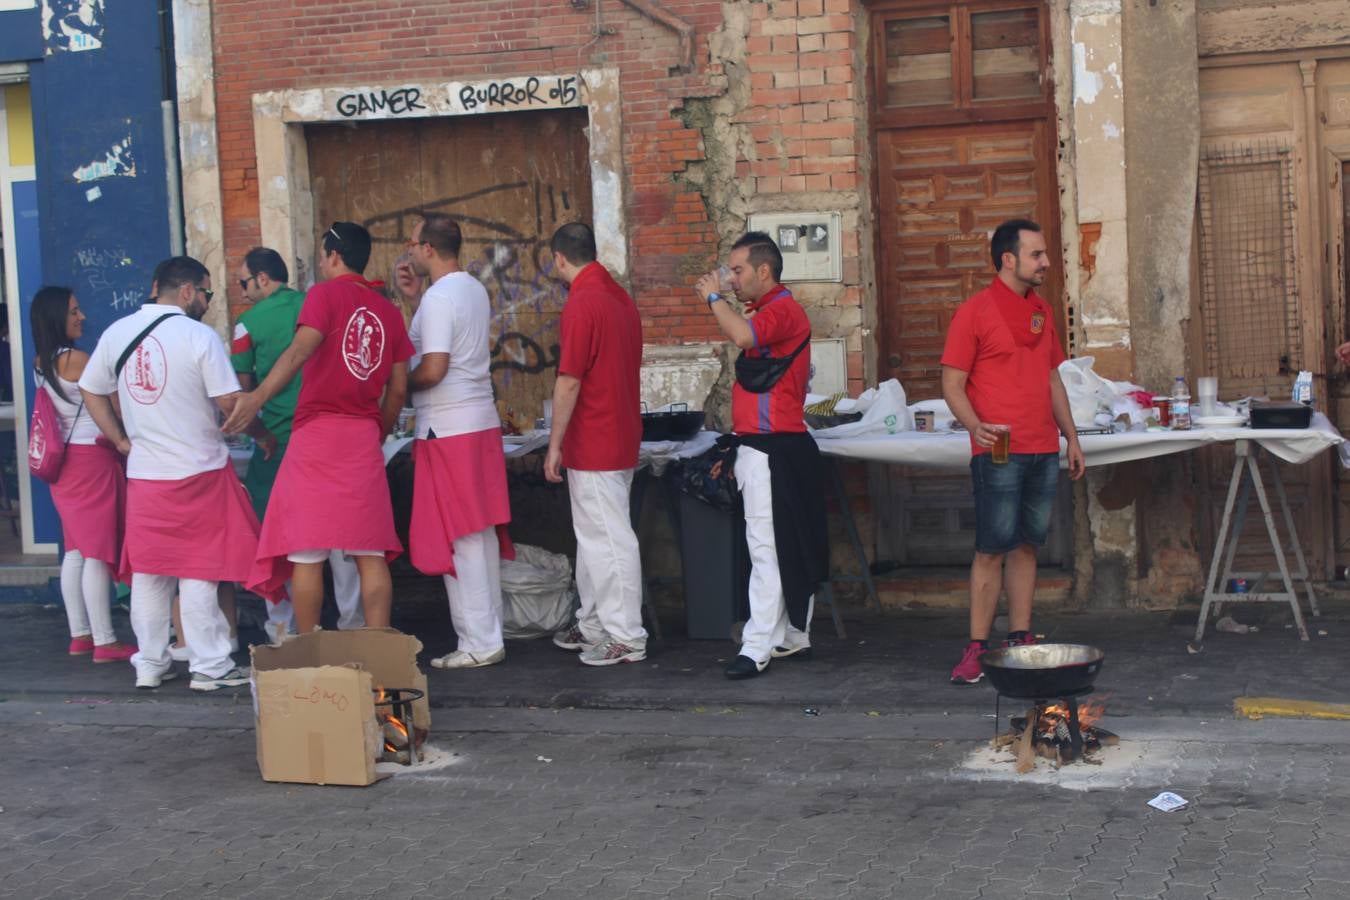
(999, 454)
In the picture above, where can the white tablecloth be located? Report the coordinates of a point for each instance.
(951, 450)
(657, 454)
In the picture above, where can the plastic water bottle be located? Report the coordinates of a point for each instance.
(1179, 388)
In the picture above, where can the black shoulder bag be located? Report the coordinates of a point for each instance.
(131, 348)
(758, 374)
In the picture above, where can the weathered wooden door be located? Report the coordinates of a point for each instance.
(964, 128)
(509, 180)
(942, 192)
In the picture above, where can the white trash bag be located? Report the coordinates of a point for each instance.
(884, 412)
(1094, 400)
(537, 593)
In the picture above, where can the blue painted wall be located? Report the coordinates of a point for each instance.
(100, 233)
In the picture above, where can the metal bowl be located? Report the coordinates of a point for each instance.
(1042, 670)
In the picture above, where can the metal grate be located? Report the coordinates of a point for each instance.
(1249, 286)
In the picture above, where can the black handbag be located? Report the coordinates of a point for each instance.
(758, 375)
(711, 477)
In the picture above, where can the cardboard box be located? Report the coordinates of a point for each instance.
(314, 703)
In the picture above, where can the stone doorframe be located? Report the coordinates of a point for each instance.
(285, 199)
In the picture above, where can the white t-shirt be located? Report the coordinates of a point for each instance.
(167, 390)
(85, 429)
(454, 317)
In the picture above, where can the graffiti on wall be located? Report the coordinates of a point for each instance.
(101, 273)
(117, 161)
(509, 254)
(70, 26)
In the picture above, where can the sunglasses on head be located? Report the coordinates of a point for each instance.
(333, 231)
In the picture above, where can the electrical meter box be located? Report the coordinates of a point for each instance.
(810, 243)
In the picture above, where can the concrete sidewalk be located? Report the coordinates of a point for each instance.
(895, 663)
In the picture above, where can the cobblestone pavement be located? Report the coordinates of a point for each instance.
(156, 799)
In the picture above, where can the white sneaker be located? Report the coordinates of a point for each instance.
(236, 677)
(464, 659)
(148, 681)
(178, 654)
(612, 652)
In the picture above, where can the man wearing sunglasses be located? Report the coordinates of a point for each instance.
(331, 493)
(188, 517)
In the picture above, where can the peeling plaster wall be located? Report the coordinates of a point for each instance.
(789, 133)
(1163, 98)
(1099, 171)
(197, 151)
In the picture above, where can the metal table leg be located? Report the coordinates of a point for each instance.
(855, 541)
(1246, 464)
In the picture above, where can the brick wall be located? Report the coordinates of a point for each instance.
(794, 135)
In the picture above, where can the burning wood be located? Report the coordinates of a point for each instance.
(398, 746)
(1053, 735)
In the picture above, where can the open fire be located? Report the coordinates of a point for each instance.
(1063, 732)
(394, 712)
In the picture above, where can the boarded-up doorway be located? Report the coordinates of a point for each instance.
(509, 180)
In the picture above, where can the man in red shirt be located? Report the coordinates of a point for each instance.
(1000, 373)
(778, 465)
(597, 426)
(331, 492)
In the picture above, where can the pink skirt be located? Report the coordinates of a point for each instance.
(91, 496)
(459, 488)
(330, 494)
(200, 527)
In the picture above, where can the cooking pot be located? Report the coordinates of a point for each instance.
(1042, 671)
(672, 425)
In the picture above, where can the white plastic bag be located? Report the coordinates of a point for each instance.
(1095, 400)
(537, 593)
(884, 412)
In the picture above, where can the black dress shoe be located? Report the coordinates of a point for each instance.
(794, 652)
(745, 667)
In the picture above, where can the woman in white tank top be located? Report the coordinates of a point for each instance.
(90, 492)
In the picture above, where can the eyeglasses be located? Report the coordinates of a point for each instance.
(209, 293)
(243, 282)
(410, 243)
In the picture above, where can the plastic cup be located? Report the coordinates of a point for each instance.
(999, 454)
(1208, 393)
(724, 279)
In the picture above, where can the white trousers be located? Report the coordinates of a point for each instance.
(609, 566)
(86, 591)
(475, 592)
(768, 626)
(347, 587)
(205, 628)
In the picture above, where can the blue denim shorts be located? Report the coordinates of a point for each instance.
(1013, 501)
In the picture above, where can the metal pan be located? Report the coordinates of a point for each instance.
(1042, 670)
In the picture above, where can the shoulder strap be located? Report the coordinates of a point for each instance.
(131, 348)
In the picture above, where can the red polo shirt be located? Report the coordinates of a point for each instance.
(779, 325)
(363, 336)
(602, 347)
(1008, 346)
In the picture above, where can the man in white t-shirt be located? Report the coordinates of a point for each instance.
(460, 506)
(188, 518)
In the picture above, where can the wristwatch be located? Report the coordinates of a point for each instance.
(714, 297)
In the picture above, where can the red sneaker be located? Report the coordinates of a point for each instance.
(968, 670)
(81, 645)
(114, 652)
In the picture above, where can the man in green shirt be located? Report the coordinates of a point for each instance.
(261, 334)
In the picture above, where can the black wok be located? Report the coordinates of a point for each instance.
(1042, 671)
